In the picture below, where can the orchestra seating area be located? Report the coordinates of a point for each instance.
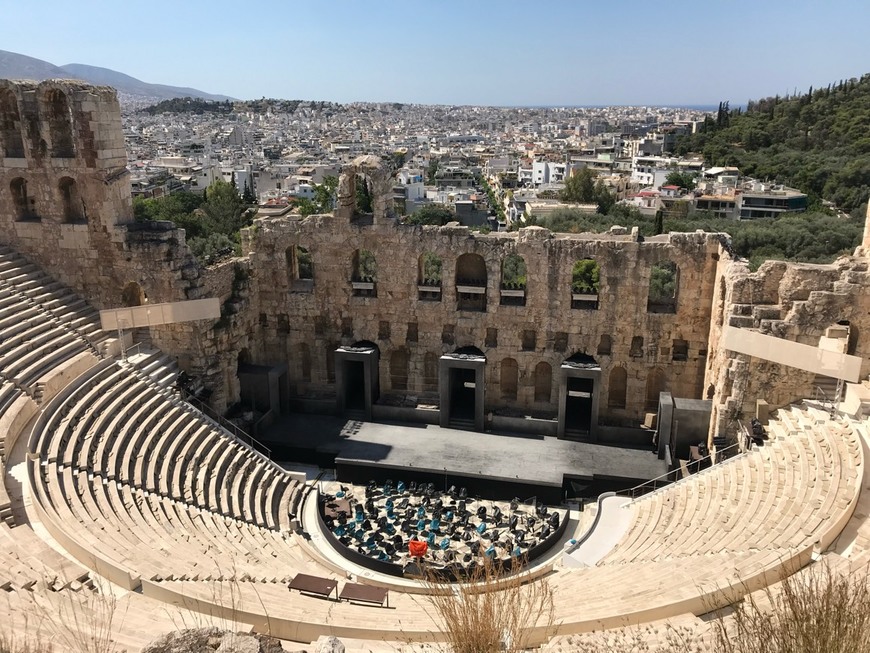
(123, 490)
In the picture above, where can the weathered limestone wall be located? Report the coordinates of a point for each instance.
(307, 326)
(787, 300)
(65, 203)
(65, 135)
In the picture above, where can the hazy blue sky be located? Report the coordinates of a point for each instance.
(540, 52)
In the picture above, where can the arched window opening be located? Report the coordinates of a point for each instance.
(655, 384)
(430, 372)
(25, 207)
(470, 283)
(364, 276)
(585, 284)
(663, 284)
(60, 125)
(543, 382)
(605, 345)
(429, 267)
(399, 370)
(304, 354)
(617, 388)
(133, 295)
(71, 203)
(10, 125)
(513, 280)
(363, 205)
(509, 378)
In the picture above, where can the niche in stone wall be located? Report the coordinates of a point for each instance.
(71, 202)
(529, 340)
(133, 294)
(680, 350)
(605, 345)
(543, 382)
(430, 372)
(636, 350)
(399, 369)
(655, 384)
(508, 379)
(617, 387)
(24, 206)
(303, 351)
(10, 125)
(60, 127)
(663, 284)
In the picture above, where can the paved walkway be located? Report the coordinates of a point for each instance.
(510, 457)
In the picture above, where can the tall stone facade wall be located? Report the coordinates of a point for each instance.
(65, 203)
(304, 325)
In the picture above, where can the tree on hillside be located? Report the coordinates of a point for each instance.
(436, 214)
(685, 180)
(248, 194)
(224, 211)
(324, 198)
(580, 187)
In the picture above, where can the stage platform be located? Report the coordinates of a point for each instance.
(499, 465)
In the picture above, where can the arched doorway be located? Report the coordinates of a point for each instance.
(579, 386)
(356, 378)
(461, 377)
(133, 295)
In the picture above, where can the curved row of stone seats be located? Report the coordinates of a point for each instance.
(48, 598)
(798, 489)
(179, 553)
(113, 424)
(151, 537)
(612, 595)
(26, 291)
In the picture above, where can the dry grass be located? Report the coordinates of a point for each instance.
(493, 611)
(816, 611)
(9, 644)
(84, 622)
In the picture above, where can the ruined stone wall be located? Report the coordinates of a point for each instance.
(794, 301)
(65, 203)
(303, 324)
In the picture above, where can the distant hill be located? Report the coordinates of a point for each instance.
(133, 86)
(817, 141)
(19, 66)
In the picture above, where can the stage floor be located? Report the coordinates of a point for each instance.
(426, 447)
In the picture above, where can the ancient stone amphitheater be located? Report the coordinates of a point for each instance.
(124, 508)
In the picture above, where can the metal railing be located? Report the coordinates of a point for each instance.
(240, 434)
(665, 479)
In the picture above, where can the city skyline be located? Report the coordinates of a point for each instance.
(560, 54)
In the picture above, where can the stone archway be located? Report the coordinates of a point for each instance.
(379, 179)
(133, 295)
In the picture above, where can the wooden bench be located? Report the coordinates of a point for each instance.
(365, 594)
(323, 587)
